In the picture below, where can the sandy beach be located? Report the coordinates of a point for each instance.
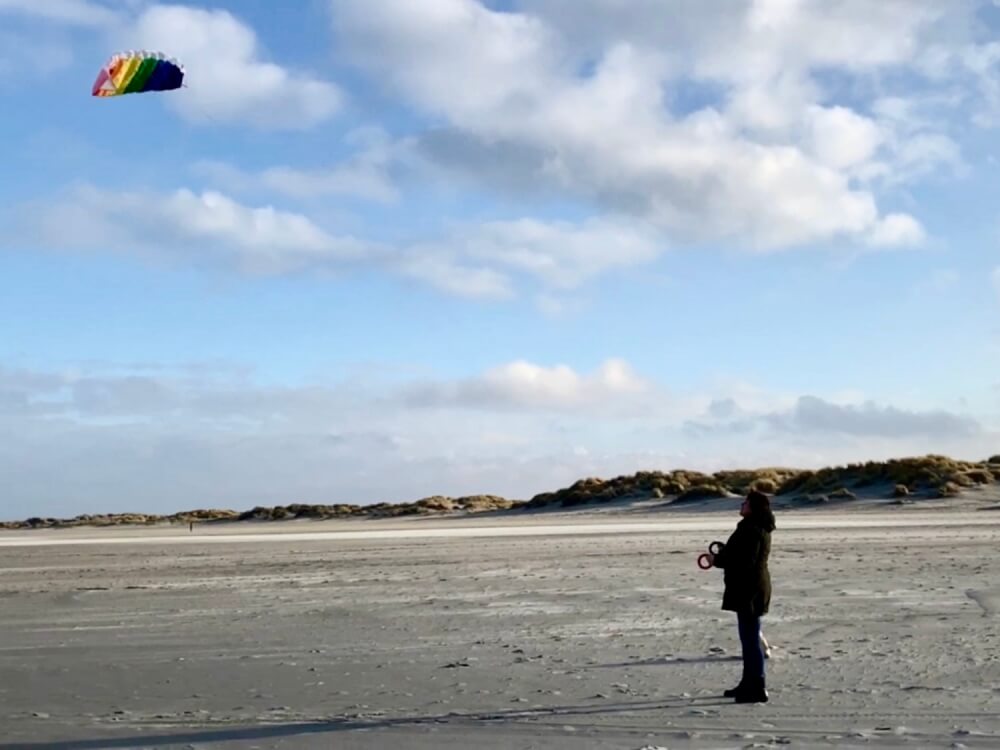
(378, 374)
(560, 630)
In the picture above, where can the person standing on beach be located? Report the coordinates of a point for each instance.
(748, 589)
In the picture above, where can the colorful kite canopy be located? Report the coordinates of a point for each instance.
(138, 72)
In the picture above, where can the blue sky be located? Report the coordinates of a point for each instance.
(379, 249)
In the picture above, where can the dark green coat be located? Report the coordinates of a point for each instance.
(744, 560)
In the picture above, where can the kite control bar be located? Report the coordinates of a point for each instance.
(705, 559)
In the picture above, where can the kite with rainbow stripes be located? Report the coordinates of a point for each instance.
(138, 72)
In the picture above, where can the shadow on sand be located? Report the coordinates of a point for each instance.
(665, 662)
(330, 726)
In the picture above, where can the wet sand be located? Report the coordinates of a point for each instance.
(557, 631)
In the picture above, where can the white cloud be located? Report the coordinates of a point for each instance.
(525, 385)
(915, 145)
(443, 37)
(71, 12)
(227, 80)
(813, 414)
(748, 39)
(815, 417)
(452, 276)
(363, 180)
(210, 228)
(564, 255)
(560, 255)
(983, 61)
(841, 138)
(896, 230)
(768, 157)
(202, 227)
(366, 174)
(923, 154)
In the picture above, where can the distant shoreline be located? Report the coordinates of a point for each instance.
(896, 481)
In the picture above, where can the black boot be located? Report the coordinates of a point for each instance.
(754, 691)
(733, 692)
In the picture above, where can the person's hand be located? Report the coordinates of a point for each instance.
(711, 558)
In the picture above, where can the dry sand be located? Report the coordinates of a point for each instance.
(551, 631)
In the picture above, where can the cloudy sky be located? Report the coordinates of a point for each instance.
(380, 249)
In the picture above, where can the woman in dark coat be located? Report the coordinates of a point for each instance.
(748, 589)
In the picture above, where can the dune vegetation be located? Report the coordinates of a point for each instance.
(930, 476)
(899, 481)
(427, 506)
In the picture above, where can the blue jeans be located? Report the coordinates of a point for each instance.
(753, 653)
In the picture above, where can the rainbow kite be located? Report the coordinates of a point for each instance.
(137, 73)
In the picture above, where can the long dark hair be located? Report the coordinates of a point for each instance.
(760, 509)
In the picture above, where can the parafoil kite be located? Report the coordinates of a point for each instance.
(137, 72)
